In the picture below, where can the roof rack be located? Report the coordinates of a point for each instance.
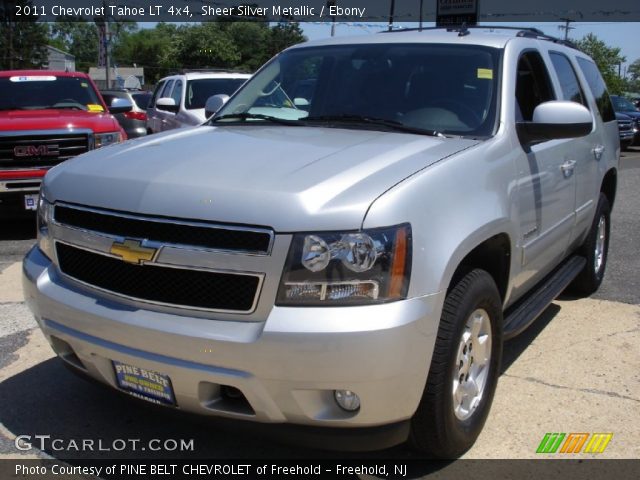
(182, 71)
(463, 30)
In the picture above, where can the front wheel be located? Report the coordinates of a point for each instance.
(464, 369)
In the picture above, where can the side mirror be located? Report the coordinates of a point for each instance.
(168, 104)
(120, 105)
(554, 120)
(214, 103)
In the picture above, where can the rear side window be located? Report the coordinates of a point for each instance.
(177, 92)
(533, 86)
(598, 88)
(167, 89)
(568, 80)
(155, 95)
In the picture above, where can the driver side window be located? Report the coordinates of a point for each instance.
(533, 86)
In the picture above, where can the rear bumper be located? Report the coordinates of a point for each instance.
(286, 367)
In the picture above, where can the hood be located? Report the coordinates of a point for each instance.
(630, 113)
(56, 120)
(287, 178)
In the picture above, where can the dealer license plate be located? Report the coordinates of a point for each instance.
(145, 384)
(31, 201)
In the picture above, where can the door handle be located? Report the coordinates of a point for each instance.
(567, 168)
(598, 150)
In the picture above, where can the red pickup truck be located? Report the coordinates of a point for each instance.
(47, 117)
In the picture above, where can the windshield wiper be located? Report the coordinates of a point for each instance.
(363, 119)
(62, 107)
(259, 116)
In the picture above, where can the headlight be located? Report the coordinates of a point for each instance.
(104, 139)
(350, 268)
(45, 215)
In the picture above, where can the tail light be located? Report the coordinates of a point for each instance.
(136, 116)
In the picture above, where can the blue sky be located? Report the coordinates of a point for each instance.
(615, 34)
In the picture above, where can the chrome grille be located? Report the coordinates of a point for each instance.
(40, 150)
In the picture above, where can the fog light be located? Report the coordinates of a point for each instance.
(347, 400)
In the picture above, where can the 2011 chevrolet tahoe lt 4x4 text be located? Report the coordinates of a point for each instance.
(346, 243)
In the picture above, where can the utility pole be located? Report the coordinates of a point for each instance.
(566, 27)
(107, 39)
(332, 3)
(391, 13)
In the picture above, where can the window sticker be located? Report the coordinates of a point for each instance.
(33, 78)
(485, 73)
(92, 107)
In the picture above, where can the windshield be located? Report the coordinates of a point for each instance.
(450, 89)
(621, 104)
(198, 91)
(48, 91)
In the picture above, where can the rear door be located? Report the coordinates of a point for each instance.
(585, 151)
(605, 143)
(153, 122)
(172, 118)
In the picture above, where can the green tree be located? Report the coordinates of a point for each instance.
(80, 38)
(634, 76)
(283, 35)
(149, 48)
(204, 46)
(607, 58)
(22, 43)
(251, 40)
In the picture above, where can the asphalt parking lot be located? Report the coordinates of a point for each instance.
(577, 369)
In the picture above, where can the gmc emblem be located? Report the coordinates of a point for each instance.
(36, 151)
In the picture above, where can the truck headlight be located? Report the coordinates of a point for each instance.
(45, 215)
(109, 138)
(350, 268)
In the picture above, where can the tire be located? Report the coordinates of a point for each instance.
(441, 427)
(596, 250)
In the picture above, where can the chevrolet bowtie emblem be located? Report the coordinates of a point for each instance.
(132, 251)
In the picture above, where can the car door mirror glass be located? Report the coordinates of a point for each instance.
(166, 103)
(214, 103)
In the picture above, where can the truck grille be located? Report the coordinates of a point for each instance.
(160, 284)
(164, 230)
(46, 150)
(625, 125)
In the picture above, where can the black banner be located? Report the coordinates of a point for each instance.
(567, 469)
(323, 10)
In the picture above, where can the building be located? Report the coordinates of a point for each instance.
(59, 60)
(117, 76)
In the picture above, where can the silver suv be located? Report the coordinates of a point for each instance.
(347, 242)
(179, 100)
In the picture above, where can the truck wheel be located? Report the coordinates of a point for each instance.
(595, 248)
(464, 369)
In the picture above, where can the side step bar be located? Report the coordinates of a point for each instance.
(523, 313)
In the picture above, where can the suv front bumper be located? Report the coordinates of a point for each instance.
(286, 367)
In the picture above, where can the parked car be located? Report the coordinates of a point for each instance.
(47, 117)
(355, 264)
(627, 130)
(133, 122)
(178, 100)
(623, 105)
